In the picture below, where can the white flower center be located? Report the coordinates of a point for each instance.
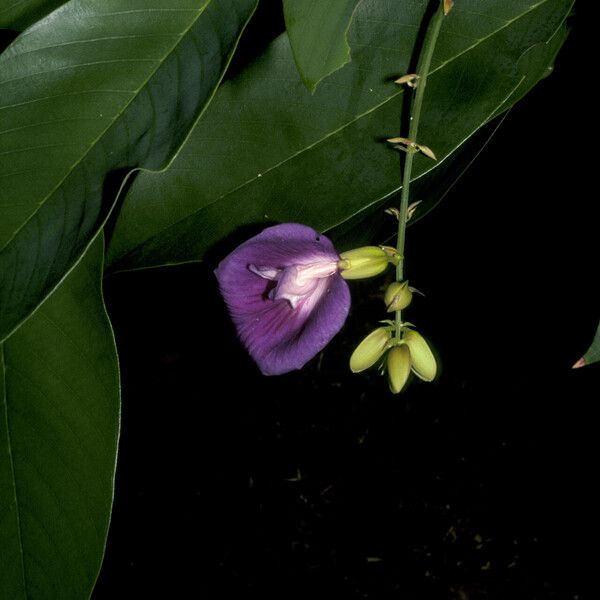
(300, 285)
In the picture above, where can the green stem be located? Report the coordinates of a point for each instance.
(423, 66)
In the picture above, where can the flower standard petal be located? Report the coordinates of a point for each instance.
(284, 295)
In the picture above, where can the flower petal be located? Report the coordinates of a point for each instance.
(281, 338)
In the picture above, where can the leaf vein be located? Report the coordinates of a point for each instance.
(3, 396)
(54, 96)
(78, 66)
(361, 115)
(119, 113)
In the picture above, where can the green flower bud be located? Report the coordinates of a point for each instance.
(398, 367)
(360, 263)
(397, 296)
(370, 350)
(423, 361)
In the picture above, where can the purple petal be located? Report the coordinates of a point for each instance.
(278, 337)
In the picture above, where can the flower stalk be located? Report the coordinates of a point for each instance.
(422, 73)
(397, 347)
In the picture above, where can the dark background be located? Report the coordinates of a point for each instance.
(320, 483)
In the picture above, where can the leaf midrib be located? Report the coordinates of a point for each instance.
(109, 126)
(334, 132)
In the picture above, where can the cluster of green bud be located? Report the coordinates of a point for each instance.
(398, 350)
(399, 356)
(367, 261)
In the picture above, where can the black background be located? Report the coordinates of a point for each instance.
(320, 483)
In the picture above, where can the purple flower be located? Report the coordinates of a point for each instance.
(285, 295)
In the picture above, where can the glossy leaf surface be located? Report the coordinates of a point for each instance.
(19, 14)
(59, 425)
(317, 31)
(267, 150)
(86, 94)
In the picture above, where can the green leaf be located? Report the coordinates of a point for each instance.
(267, 150)
(59, 426)
(318, 35)
(95, 88)
(593, 353)
(533, 65)
(19, 14)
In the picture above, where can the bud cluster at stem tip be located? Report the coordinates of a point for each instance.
(405, 354)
